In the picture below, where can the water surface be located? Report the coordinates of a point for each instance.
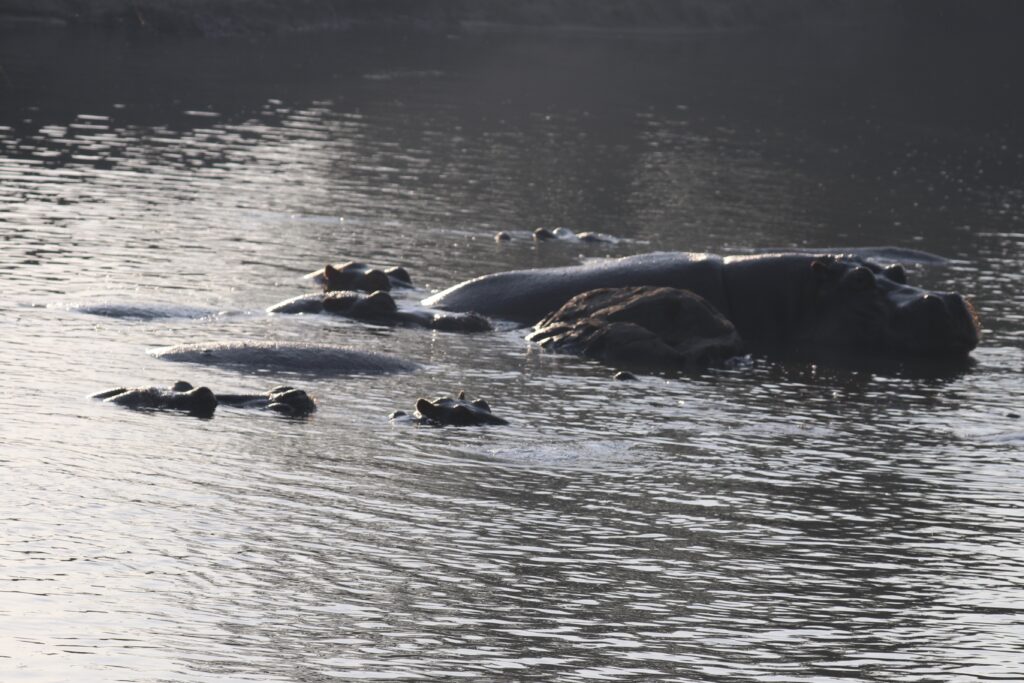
(771, 523)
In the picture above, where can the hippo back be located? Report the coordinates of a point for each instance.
(526, 296)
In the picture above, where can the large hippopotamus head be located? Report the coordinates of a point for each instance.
(856, 305)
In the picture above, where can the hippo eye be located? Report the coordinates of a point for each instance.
(896, 273)
(860, 278)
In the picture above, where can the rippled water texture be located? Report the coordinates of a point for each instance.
(771, 523)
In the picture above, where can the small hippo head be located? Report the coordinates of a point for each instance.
(290, 402)
(861, 306)
(378, 305)
(356, 276)
(456, 412)
(200, 402)
(398, 276)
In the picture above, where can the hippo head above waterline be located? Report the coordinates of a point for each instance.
(857, 305)
(445, 410)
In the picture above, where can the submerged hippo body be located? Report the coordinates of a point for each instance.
(318, 359)
(380, 308)
(776, 301)
(144, 311)
(202, 402)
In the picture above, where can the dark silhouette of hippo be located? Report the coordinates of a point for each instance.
(567, 235)
(283, 399)
(318, 359)
(202, 402)
(354, 276)
(778, 302)
(457, 412)
(641, 327)
(380, 308)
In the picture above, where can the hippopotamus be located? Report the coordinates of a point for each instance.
(458, 412)
(285, 400)
(319, 359)
(361, 277)
(788, 303)
(181, 396)
(379, 307)
(202, 402)
(145, 311)
(648, 327)
(567, 235)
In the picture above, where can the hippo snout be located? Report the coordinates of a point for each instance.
(938, 322)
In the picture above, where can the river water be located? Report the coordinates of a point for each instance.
(769, 523)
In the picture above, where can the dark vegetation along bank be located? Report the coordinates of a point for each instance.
(225, 17)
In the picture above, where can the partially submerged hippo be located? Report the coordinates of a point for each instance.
(139, 310)
(379, 307)
(181, 396)
(641, 327)
(567, 235)
(319, 359)
(355, 276)
(282, 399)
(202, 402)
(457, 412)
(777, 302)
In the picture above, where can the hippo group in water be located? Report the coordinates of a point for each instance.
(658, 310)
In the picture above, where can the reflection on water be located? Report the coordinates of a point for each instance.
(783, 522)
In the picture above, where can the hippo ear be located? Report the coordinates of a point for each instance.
(896, 272)
(820, 269)
(482, 404)
(462, 395)
(424, 407)
(381, 301)
(375, 280)
(331, 275)
(859, 279)
(399, 273)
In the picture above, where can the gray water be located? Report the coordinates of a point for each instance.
(775, 522)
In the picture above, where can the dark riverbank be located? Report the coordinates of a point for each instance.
(234, 17)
